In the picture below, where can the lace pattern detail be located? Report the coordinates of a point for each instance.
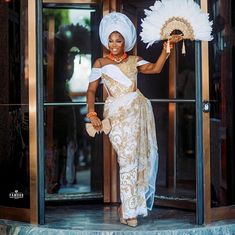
(134, 139)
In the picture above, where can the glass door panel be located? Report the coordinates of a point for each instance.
(172, 93)
(176, 176)
(222, 74)
(73, 160)
(14, 108)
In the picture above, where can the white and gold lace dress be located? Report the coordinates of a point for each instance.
(132, 136)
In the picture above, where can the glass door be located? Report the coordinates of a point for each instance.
(73, 160)
(18, 124)
(220, 183)
(173, 97)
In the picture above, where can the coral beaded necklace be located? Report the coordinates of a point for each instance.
(120, 59)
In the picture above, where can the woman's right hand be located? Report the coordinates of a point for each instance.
(96, 122)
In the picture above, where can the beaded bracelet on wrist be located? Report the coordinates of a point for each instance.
(165, 45)
(91, 114)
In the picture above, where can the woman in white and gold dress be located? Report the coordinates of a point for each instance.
(133, 133)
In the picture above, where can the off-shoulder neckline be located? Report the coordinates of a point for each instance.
(115, 64)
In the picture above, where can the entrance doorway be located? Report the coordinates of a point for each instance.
(43, 105)
(73, 161)
(75, 165)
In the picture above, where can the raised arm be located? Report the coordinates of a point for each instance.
(152, 68)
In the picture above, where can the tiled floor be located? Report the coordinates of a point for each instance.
(99, 219)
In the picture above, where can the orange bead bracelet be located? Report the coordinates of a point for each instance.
(91, 114)
(165, 45)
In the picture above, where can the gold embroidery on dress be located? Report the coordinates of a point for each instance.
(117, 89)
(129, 111)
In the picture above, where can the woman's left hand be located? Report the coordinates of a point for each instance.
(176, 38)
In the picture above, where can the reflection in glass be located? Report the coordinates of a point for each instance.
(14, 118)
(176, 173)
(14, 152)
(73, 161)
(185, 74)
(68, 53)
(186, 149)
(222, 75)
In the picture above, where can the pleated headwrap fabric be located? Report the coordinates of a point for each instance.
(119, 22)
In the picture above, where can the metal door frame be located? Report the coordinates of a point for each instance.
(207, 214)
(30, 214)
(204, 213)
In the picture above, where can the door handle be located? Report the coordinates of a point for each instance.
(206, 106)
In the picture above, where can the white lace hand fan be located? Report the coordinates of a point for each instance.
(167, 16)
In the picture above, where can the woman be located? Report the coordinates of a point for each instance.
(133, 128)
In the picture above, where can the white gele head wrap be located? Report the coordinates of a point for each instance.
(119, 22)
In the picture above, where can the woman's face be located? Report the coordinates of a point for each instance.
(116, 43)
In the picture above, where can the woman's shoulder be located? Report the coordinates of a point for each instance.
(97, 63)
(100, 62)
